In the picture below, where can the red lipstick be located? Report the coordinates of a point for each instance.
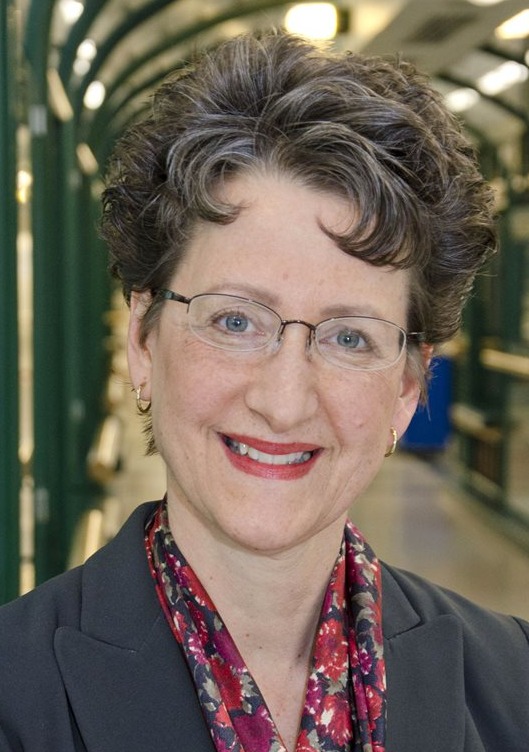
(239, 448)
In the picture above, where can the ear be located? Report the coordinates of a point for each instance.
(139, 353)
(410, 391)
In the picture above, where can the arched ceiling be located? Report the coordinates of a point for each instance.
(136, 43)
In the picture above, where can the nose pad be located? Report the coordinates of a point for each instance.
(310, 342)
(310, 337)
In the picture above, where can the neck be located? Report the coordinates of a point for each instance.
(270, 602)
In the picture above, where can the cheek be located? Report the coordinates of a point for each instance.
(191, 388)
(362, 409)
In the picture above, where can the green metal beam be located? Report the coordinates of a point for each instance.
(80, 29)
(498, 101)
(47, 266)
(94, 135)
(62, 422)
(48, 354)
(133, 20)
(36, 42)
(192, 30)
(9, 432)
(78, 32)
(105, 128)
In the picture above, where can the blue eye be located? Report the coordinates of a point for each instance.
(349, 339)
(235, 322)
(238, 325)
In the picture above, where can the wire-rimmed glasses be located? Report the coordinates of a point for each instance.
(229, 322)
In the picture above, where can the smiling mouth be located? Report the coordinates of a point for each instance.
(245, 450)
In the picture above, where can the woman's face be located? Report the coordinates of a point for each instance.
(207, 401)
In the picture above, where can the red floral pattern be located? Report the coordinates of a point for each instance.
(345, 704)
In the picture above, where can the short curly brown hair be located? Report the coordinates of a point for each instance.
(370, 129)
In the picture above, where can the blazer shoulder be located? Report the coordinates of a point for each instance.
(59, 601)
(482, 660)
(55, 603)
(33, 701)
(430, 601)
(31, 691)
(28, 626)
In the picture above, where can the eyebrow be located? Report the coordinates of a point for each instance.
(260, 295)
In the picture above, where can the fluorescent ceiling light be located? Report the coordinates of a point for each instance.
(86, 158)
(312, 20)
(462, 99)
(516, 27)
(24, 184)
(94, 95)
(81, 67)
(501, 78)
(87, 50)
(71, 10)
(58, 98)
(485, 2)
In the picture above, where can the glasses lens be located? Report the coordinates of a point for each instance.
(359, 342)
(232, 323)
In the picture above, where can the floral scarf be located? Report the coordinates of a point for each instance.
(345, 704)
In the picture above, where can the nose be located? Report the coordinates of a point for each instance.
(283, 388)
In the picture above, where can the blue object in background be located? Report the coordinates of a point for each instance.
(429, 429)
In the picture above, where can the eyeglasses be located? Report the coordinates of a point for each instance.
(231, 323)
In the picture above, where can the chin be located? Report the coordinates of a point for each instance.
(272, 536)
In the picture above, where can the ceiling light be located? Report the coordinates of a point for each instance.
(71, 10)
(86, 158)
(24, 184)
(462, 99)
(516, 27)
(81, 67)
(485, 2)
(94, 95)
(501, 78)
(58, 98)
(312, 20)
(87, 50)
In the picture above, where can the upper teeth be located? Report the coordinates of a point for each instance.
(269, 459)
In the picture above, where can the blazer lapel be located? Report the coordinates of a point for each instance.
(138, 700)
(131, 700)
(126, 678)
(424, 664)
(426, 699)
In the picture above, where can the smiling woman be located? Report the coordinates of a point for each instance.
(283, 398)
(295, 231)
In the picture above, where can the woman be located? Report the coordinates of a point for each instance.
(294, 231)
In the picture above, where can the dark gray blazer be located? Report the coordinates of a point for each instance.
(88, 663)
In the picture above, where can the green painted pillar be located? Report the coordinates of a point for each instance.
(65, 413)
(9, 428)
(81, 376)
(48, 266)
(48, 351)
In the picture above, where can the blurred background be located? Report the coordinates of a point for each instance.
(453, 504)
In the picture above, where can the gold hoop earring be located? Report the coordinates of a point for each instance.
(393, 446)
(142, 405)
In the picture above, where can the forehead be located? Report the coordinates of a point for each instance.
(277, 250)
